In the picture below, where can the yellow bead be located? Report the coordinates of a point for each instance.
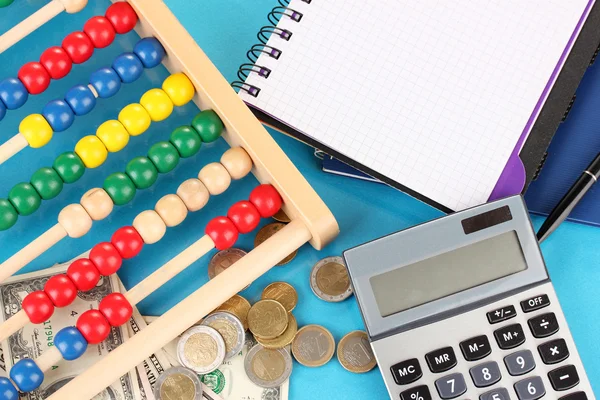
(157, 103)
(179, 88)
(91, 150)
(36, 130)
(135, 119)
(113, 134)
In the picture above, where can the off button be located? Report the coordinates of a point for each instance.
(406, 372)
(535, 303)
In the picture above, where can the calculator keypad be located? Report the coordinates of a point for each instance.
(510, 336)
(485, 374)
(543, 325)
(519, 363)
(554, 351)
(530, 388)
(451, 386)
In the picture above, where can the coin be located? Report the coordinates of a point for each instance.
(313, 346)
(266, 232)
(282, 292)
(329, 280)
(281, 217)
(201, 348)
(230, 328)
(238, 306)
(282, 340)
(268, 368)
(178, 383)
(267, 319)
(223, 260)
(355, 354)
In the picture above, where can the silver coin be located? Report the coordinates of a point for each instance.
(268, 368)
(178, 383)
(231, 329)
(329, 280)
(201, 348)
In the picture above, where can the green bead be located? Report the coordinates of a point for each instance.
(47, 183)
(208, 125)
(24, 198)
(5, 3)
(142, 172)
(164, 156)
(8, 215)
(186, 140)
(69, 167)
(120, 188)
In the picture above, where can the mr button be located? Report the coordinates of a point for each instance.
(441, 360)
(406, 372)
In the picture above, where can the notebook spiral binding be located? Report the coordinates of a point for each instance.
(281, 11)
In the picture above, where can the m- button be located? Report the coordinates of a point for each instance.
(441, 360)
(476, 348)
(535, 303)
(406, 372)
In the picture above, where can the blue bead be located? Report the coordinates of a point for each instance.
(8, 391)
(70, 342)
(59, 115)
(106, 81)
(128, 66)
(26, 375)
(2, 110)
(13, 93)
(150, 52)
(81, 99)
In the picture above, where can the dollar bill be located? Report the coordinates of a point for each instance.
(33, 340)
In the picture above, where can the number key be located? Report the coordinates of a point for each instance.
(416, 393)
(451, 386)
(485, 374)
(495, 394)
(519, 363)
(530, 388)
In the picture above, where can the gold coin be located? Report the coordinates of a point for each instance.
(282, 292)
(284, 339)
(329, 280)
(281, 217)
(355, 354)
(266, 232)
(238, 306)
(223, 260)
(178, 387)
(267, 319)
(313, 346)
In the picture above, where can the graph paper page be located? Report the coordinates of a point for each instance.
(433, 94)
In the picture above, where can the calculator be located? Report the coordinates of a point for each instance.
(463, 307)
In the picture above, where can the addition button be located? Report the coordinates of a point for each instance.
(509, 336)
(407, 371)
(563, 378)
(501, 314)
(554, 351)
(418, 392)
(476, 348)
(441, 360)
(535, 303)
(575, 396)
(543, 325)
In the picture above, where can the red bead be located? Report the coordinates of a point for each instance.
(127, 241)
(38, 307)
(61, 290)
(106, 258)
(266, 199)
(100, 31)
(78, 46)
(222, 231)
(93, 326)
(35, 77)
(244, 216)
(84, 274)
(122, 17)
(57, 62)
(116, 308)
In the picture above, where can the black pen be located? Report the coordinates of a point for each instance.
(564, 207)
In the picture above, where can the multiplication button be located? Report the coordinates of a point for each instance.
(554, 351)
(501, 314)
(416, 393)
(475, 348)
(543, 325)
(509, 336)
(407, 371)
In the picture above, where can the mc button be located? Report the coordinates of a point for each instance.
(406, 372)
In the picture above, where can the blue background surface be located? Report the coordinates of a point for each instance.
(225, 30)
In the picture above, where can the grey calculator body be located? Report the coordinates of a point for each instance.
(462, 307)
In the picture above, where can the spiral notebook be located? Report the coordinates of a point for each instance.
(431, 97)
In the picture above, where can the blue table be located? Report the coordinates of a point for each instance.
(225, 30)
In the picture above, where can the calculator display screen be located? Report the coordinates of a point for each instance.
(448, 273)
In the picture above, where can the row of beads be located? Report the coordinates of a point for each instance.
(93, 326)
(91, 151)
(56, 62)
(58, 115)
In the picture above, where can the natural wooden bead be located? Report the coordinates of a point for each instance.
(97, 203)
(73, 6)
(237, 162)
(215, 177)
(75, 220)
(171, 209)
(150, 226)
(194, 194)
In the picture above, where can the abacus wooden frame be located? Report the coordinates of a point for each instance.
(311, 220)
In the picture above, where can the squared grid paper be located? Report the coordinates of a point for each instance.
(432, 94)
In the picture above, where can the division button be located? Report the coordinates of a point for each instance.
(509, 336)
(554, 351)
(451, 386)
(501, 314)
(563, 378)
(416, 393)
(476, 348)
(575, 396)
(535, 303)
(495, 394)
(519, 363)
(485, 374)
(407, 371)
(530, 388)
(543, 325)
(441, 360)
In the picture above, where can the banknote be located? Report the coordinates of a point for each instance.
(33, 340)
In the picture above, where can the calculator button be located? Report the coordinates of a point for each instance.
(485, 374)
(451, 386)
(575, 396)
(509, 336)
(519, 363)
(535, 303)
(530, 388)
(563, 378)
(543, 325)
(495, 394)
(441, 360)
(416, 393)
(554, 351)
(476, 348)
(406, 372)
(501, 314)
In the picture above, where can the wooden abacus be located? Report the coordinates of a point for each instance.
(311, 221)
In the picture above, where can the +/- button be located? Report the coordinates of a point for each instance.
(501, 314)
(554, 351)
(563, 378)
(441, 360)
(535, 303)
(509, 336)
(476, 348)
(407, 371)
(543, 325)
